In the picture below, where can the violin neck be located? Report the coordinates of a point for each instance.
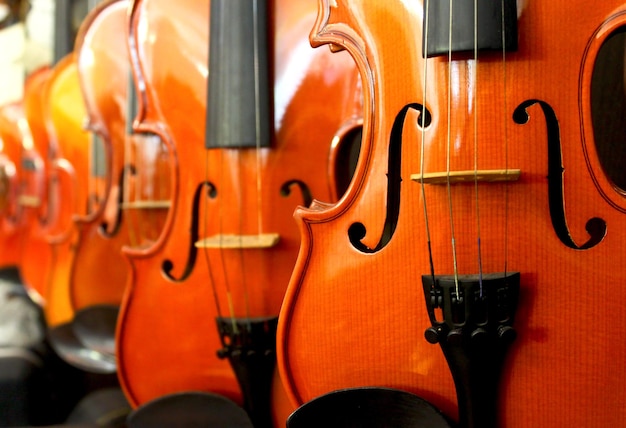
(497, 21)
(238, 113)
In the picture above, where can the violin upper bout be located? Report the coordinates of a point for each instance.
(333, 27)
(319, 205)
(316, 212)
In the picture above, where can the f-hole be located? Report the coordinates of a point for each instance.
(596, 227)
(110, 231)
(44, 216)
(358, 231)
(168, 266)
(307, 195)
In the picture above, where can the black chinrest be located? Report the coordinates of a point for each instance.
(67, 346)
(367, 408)
(189, 410)
(94, 326)
(105, 407)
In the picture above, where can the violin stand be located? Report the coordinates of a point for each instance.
(250, 346)
(474, 332)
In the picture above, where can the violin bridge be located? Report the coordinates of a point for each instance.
(235, 242)
(455, 177)
(29, 201)
(144, 205)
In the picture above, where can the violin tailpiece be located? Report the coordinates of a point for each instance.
(472, 320)
(250, 346)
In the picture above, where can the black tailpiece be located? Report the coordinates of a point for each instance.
(474, 330)
(250, 346)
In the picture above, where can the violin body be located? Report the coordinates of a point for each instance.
(36, 260)
(64, 113)
(212, 260)
(99, 271)
(8, 165)
(435, 186)
(151, 301)
(11, 225)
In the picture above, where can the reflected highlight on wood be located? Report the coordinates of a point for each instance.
(355, 311)
(224, 196)
(12, 225)
(64, 113)
(100, 272)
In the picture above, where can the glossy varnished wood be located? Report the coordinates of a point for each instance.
(355, 317)
(64, 115)
(99, 273)
(12, 132)
(314, 97)
(37, 193)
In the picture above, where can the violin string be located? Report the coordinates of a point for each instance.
(159, 191)
(242, 259)
(203, 233)
(257, 116)
(423, 142)
(506, 142)
(257, 157)
(229, 296)
(99, 160)
(167, 187)
(97, 152)
(257, 124)
(139, 169)
(144, 185)
(129, 183)
(139, 183)
(476, 193)
(92, 183)
(128, 165)
(448, 157)
(155, 183)
(134, 182)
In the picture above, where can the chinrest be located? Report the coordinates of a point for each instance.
(94, 326)
(368, 408)
(68, 347)
(189, 410)
(105, 407)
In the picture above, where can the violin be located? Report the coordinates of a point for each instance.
(7, 171)
(64, 113)
(472, 259)
(216, 276)
(25, 177)
(99, 270)
(13, 130)
(37, 209)
(45, 188)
